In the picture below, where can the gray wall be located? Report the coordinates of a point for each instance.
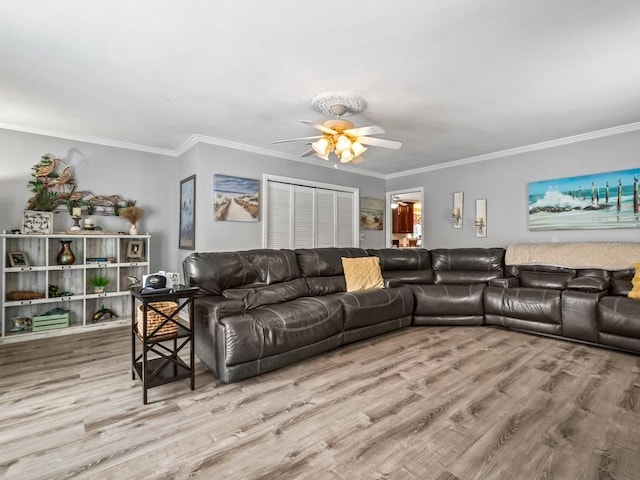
(102, 170)
(220, 236)
(503, 182)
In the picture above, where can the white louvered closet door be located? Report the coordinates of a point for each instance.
(344, 219)
(308, 217)
(326, 223)
(279, 216)
(303, 217)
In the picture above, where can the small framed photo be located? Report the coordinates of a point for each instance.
(18, 259)
(34, 222)
(134, 249)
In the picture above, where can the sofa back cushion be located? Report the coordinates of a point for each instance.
(392, 259)
(215, 272)
(557, 281)
(325, 262)
(467, 265)
(257, 296)
(475, 259)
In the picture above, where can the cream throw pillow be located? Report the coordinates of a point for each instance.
(635, 291)
(362, 273)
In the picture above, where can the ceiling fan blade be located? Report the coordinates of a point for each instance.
(308, 153)
(320, 127)
(380, 142)
(294, 139)
(370, 130)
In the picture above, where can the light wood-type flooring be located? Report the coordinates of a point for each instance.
(429, 403)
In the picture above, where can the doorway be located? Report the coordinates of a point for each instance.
(405, 212)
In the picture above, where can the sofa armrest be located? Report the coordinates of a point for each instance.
(213, 307)
(507, 282)
(588, 285)
(393, 282)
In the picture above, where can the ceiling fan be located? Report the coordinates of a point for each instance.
(340, 136)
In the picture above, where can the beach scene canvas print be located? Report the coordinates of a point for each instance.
(371, 210)
(236, 198)
(598, 201)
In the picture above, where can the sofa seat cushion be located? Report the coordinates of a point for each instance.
(532, 304)
(369, 307)
(274, 329)
(257, 296)
(447, 300)
(619, 316)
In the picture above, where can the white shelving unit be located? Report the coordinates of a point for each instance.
(40, 251)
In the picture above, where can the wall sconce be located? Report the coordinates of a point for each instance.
(457, 209)
(481, 217)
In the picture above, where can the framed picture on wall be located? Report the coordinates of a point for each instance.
(187, 238)
(597, 201)
(371, 211)
(235, 198)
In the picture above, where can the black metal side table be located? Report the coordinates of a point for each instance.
(156, 324)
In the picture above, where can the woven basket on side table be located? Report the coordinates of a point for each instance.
(154, 319)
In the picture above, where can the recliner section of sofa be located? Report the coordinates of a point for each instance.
(460, 276)
(259, 310)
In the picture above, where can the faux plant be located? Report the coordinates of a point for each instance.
(99, 281)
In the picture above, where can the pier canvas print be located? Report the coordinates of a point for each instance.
(236, 199)
(598, 201)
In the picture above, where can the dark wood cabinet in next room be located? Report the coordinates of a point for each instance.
(403, 218)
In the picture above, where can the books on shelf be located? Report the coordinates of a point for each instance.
(100, 260)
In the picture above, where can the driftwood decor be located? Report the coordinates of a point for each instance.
(54, 188)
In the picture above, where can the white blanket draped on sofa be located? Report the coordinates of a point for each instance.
(605, 255)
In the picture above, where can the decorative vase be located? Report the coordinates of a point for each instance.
(99, 289)
(65, 255)
(133, 229)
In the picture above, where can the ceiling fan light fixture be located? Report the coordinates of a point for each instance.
(342, 144)
(357, 149)
(346, 156)
(322, 148)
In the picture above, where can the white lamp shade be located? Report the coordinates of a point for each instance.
(346, 156)
(357, 149)
(342, 144)
(321, 147)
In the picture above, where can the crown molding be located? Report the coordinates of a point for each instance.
(87, 139)
(606, 132)
(196, 139)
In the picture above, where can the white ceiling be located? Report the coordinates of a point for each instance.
(450, 79)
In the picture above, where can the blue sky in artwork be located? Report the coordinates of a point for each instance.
(225, 183)
(584, 181)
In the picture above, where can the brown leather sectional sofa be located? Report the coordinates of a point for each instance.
(259, 310)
